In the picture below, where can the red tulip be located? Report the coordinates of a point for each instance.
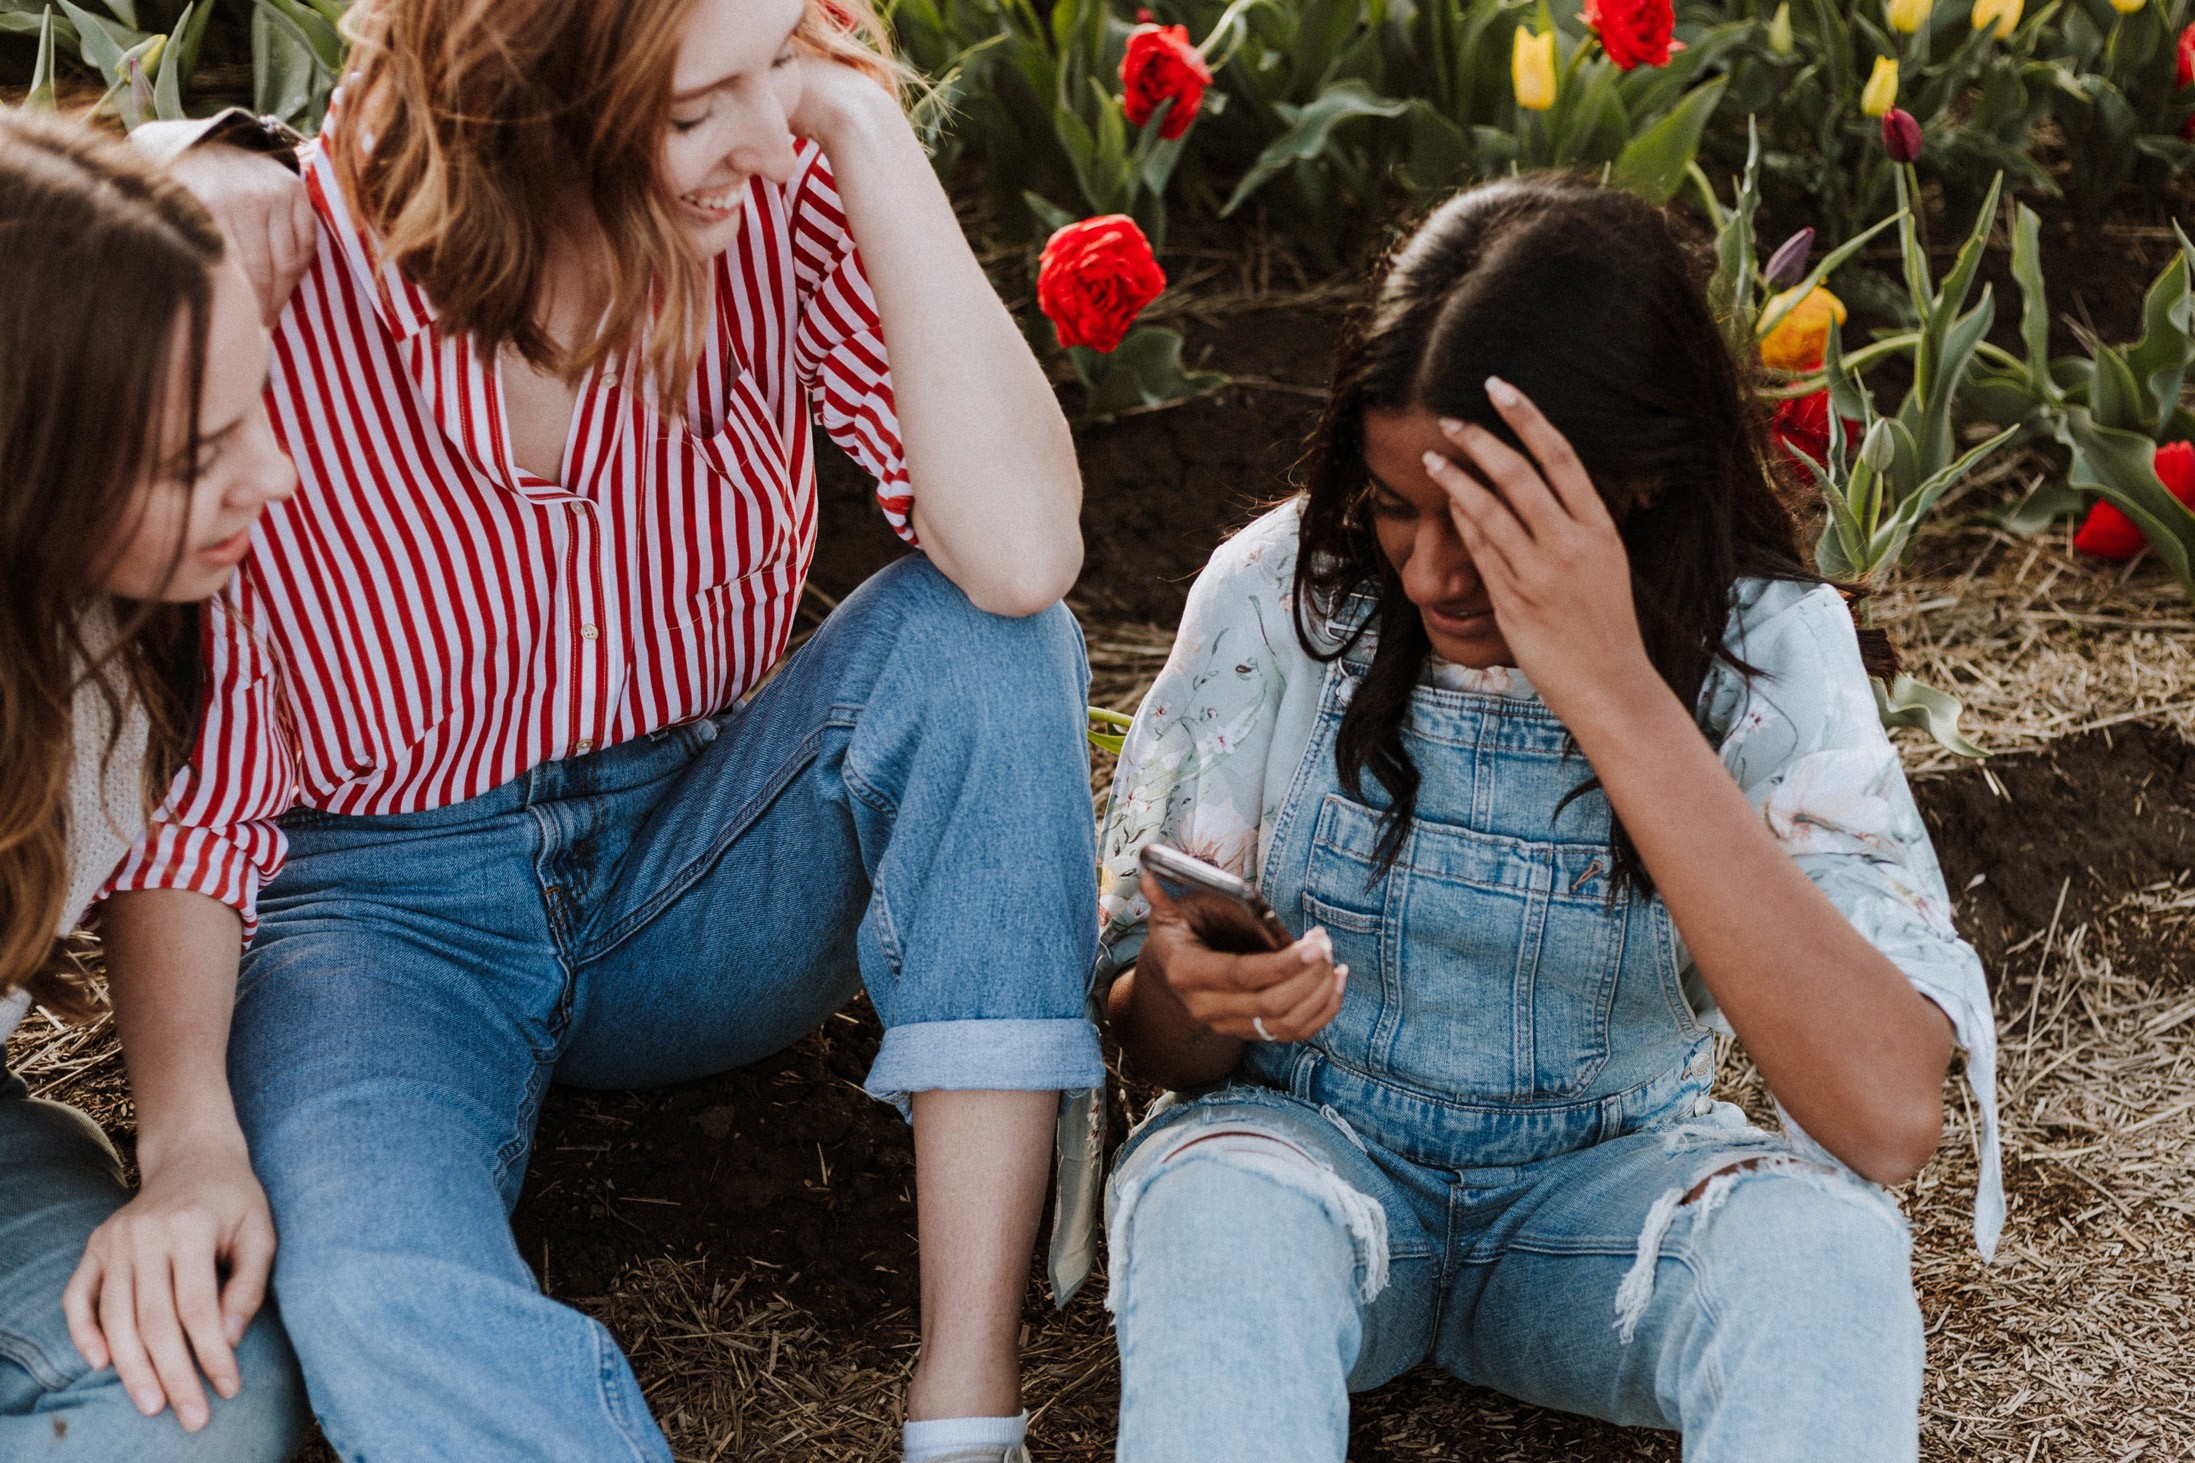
(1901, 135)
(1801, 425)
(1633, 31)
(1094, 278)
(2185, 74)
(2107, 533)
(1161, 65)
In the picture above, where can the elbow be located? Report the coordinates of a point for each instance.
(1900, 1141)
(1030, 583)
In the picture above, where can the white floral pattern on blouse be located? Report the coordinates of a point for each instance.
(1216, 743)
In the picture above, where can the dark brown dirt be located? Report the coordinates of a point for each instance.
(1160, 490)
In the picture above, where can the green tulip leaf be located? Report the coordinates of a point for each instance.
(1310, 133)
(1653, 163)
(1145, 371)
(1908, 703)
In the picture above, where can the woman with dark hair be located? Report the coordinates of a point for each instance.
(1529, 713)
(134, 460)
(490, 779)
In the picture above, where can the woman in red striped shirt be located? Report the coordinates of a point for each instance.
(481, 781)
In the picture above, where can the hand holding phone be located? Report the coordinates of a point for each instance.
(1226, 958)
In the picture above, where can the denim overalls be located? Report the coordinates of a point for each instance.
(1485, 1158)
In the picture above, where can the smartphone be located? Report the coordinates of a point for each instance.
(1226, 913)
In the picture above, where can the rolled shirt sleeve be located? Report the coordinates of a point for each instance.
(1806, 743)
(839, 342)
(214, 833)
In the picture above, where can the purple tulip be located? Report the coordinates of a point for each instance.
(1901, 135)
(1787, 266)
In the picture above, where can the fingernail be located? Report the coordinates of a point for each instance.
(226, 1386)
(147, 1402)
(1315, 946)
(1451, 426)
(1434, 462)
(1341, 976)
(1500, 392)
(233, 1326)
(192, 1418)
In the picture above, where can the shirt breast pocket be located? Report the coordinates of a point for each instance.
(1495, 959)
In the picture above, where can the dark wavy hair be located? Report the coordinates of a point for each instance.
(108, 263)
(1592, 302)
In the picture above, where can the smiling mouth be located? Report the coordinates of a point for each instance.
(720, 204)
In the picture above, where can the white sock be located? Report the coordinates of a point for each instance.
(922, 1441)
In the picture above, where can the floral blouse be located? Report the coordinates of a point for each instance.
(1216, 743)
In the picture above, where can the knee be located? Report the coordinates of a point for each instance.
(1249, 1224)
(962, 651)
(1814, 1263)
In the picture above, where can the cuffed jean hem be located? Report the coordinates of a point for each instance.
(985, 1056)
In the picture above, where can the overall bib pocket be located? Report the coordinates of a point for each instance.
(1485, 966)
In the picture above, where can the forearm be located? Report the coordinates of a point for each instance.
(1844, 1041)
(171, 970)
(997, 494)
(1161, 1041)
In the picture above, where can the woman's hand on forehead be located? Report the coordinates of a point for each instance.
(1554, 566)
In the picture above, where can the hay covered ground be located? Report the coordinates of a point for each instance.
(749, 1238)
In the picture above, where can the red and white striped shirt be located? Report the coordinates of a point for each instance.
(426, 620)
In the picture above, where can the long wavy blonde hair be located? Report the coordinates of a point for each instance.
(108, 263)
(464, 123)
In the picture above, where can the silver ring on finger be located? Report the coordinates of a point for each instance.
(1257, 1024)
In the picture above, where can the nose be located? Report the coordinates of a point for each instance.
(1439, 569)
(763, 146)
(269, 477)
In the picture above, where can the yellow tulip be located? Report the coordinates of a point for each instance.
(1881, 92)
(2003, 14)
(1908, 16)
(1532, 70)
(2128, 7)
(1797, 342)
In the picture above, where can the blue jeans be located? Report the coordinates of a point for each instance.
(905, 805)
(1263, 1274)
(59, 1180)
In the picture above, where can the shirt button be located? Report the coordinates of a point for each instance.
(1702, 1106)
(1699, 1065)
(588, 632)
(585, 744)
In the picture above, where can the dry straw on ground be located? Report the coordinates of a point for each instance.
(2072, 1346)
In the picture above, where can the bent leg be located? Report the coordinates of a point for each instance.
(908, 797)
(388, 1063)
(60, 1180)
(1262, 1267)
(1760, 1304)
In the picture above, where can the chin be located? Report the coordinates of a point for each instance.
(1479, 652)
(711, 239)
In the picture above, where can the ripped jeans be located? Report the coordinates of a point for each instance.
(1267, 1261)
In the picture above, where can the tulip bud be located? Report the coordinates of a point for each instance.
(1908, 16)
(1532, 70)
(2128, 7)
(1901, 135)
(1779, 30)
(1787, 266)
(2183, 71)
(1877, 450)
(2002, 14)
(1881, 90)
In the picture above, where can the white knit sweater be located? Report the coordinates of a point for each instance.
(105, 812)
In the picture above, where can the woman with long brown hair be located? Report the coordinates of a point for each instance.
(135, 458)
(490, 787)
